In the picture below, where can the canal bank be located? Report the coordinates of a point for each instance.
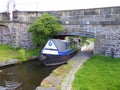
(15, 61)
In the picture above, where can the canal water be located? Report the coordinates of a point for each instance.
(25, 76)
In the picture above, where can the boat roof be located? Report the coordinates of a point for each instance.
(56, 44)
(60, 44)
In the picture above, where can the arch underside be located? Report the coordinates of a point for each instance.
(4, 34)
(83, 34)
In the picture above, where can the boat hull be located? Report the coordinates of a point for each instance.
(57, 59)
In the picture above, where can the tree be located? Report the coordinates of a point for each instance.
(43, 28)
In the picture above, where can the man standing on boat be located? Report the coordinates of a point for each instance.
(79, 40)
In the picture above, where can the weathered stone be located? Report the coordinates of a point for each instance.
(46, 88)
(92, 12)
(98, 18)
(111, 17)
(106, 11)
(116, 10)
(4, 34)
(10, 62)
(4, 17)
(78, 12)
(87, 18)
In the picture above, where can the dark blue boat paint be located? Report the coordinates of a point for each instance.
(62, 55)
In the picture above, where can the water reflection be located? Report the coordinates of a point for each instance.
(26, 76)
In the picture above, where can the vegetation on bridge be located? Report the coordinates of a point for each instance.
(43, 28)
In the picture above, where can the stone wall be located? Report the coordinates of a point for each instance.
(5, 36)
(108, 41)
(19, 35)
(103, 22)
(26, 16)
(16, 34)
(4, 17)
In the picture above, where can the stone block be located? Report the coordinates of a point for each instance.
(86, 18)
(116, 10)
(104, 23)
(111, 18)
(105, 11)
(115, 22)
(78, 12)
(46, 88)
(98, 18)
(74, 22)
(92, 12)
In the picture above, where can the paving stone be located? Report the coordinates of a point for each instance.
(46, 88)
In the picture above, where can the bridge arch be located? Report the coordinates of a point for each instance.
(83, 34)
(4, 34)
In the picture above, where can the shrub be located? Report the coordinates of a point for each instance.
(22, 54)
(43, 28)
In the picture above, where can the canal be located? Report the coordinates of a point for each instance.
(25, 76)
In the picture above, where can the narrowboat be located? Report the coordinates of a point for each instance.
(58, 51)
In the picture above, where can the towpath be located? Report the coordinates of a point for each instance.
(78, 60)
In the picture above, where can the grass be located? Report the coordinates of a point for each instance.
(62, 70)
(91, 39)
(98, 73)
(85, 40)
(7, 53)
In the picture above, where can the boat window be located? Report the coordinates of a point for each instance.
(72, 44)
(49, 49)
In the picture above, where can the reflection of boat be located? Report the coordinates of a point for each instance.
(58, 51)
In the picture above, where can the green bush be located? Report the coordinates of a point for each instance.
(22, 55)
(43, 28)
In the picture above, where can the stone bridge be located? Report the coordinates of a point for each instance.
(101, 23)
